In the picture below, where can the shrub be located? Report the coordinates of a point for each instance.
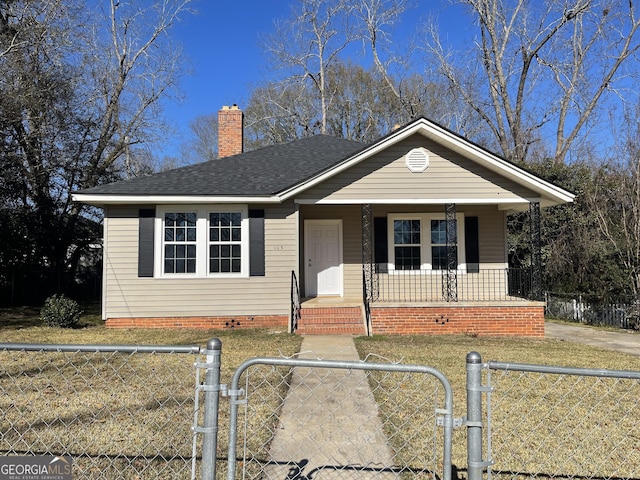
(60, 311)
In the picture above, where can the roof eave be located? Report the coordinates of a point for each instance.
(106, 199)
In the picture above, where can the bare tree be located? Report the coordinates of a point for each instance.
(363, 107)
(376, 18)
(79, 100)
(279, 112)
(203, 144)
(541, 69)
(308, 44)
(129, 68)
(615, 200)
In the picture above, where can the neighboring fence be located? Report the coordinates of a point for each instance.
(623, 314)
(556, 422)
(119, 411)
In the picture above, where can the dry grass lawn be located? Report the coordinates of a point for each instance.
(128, 408)
(118, 415)
(543, 425)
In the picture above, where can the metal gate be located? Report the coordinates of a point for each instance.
(330, 419)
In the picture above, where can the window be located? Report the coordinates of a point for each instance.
(406, 244)
(419, 242)
(180, 242)
(225, 242)
(439, 258)
(203, 242)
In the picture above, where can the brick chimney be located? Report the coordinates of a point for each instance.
(230, 131)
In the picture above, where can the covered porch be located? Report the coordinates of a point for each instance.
(467, 286)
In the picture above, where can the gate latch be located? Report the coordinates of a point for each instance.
(456, 422)
(226, 392)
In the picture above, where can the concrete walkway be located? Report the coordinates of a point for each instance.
(622, 341)
(329, 426)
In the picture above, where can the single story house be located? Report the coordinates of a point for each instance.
(326, 235)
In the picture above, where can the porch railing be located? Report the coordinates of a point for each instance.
(508, 284)
(366, 296)
(295, 303)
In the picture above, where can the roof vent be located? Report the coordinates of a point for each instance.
(417, 160)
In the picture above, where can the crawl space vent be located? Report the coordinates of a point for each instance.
(417, 160)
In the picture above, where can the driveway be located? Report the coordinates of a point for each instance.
(622, 341)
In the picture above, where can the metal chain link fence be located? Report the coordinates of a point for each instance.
(148, 412)
(553, 422)
(120, 412)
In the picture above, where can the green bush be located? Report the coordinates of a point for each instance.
(60, 311)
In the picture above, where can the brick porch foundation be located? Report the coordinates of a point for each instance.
(212, 323)
(519, 319)
(526, 319)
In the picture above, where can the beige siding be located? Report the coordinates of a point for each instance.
(386, 177)
(126, 295)
(492, 235)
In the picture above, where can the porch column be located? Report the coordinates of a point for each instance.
(368, 269)
(536, 252)
(450, 285)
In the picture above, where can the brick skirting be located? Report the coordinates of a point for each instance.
(485, 320)
(213, 323)
(512, 320)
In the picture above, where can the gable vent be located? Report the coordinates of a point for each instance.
(417, 160)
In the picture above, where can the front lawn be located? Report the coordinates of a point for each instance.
(543, 425)
(115, 414)
(115, 395)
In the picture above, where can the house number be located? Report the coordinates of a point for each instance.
(278, 248)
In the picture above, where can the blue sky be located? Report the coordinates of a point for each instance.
(221, 43)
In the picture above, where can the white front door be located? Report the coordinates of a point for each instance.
(323, 257)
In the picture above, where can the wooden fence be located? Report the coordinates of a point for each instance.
(624, 315)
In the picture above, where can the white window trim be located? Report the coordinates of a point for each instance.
(202, 240)
(425, 246)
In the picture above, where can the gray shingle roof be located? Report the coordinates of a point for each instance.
(261, 172)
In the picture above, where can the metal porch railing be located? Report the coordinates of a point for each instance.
(507, 284)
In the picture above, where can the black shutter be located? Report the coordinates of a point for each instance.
(471, 244)
(146, 220)
(381, 245)
(256, 243)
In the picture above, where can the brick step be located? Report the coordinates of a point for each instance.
(331, 330)
(331, 321)
(323, 319)
(331, 310)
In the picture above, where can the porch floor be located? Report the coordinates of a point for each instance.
(330, 301)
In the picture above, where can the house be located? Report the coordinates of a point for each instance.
(405, 235)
